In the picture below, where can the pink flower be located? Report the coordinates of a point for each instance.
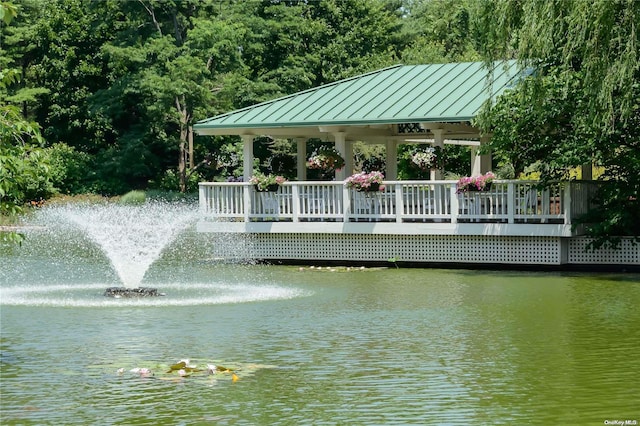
(362, 181)
(477, 182)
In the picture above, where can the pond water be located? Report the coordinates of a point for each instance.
(311, 346)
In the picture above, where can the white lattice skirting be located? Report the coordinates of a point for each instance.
(433, 249)
(627, 254)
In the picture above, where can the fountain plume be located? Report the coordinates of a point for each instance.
(131, 236)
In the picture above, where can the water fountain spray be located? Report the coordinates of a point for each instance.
(131, 236)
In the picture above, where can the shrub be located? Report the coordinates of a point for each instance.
(133, 197)
(71, 170)
(171, 196)
(171, 181)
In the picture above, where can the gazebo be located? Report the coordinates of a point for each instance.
(428, 221)
(433, 103)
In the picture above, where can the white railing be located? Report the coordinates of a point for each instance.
(401, 201)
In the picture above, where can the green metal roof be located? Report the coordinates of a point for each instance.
(451, 92)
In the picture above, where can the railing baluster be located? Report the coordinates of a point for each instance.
(295, 197)
(455, 207)
(400, 207)
(425, 201)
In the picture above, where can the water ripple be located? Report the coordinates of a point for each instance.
(379, 347)
(192, 294)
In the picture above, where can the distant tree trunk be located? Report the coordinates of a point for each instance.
(182, 167)
(152, 13)
(185, 129)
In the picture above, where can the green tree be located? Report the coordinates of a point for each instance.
(116, 85)
(54, 46)
(162, 77)
(581, 102)
(17, 54)
(120, 82)
(23, 168)
(64, 58)
(295, 45)
(439, 31)
(71, 171)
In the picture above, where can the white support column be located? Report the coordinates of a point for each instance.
(392, 160)
(455, 206)
(247, 156)
(400, 206)
(475, 162)
(301, 155)
(341, 147)
(480, 164)
(486, 159)
(348, 159)
(511, 202)
(566, 202)
(438, 138)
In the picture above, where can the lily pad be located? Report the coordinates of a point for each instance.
(208, 371)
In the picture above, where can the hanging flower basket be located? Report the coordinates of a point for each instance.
(426, 159)
(475, 183)
(366, 182)
(267, 183)
(327, 159)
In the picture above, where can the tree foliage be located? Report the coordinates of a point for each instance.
(581, 103)
(440, 31)
(122, 82)
(599, 40)
(115, 85)
(23, 166)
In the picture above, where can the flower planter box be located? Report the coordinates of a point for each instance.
(365, 182)
(486, 188)
(270, 188)
(480, 183)
(374, 187)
